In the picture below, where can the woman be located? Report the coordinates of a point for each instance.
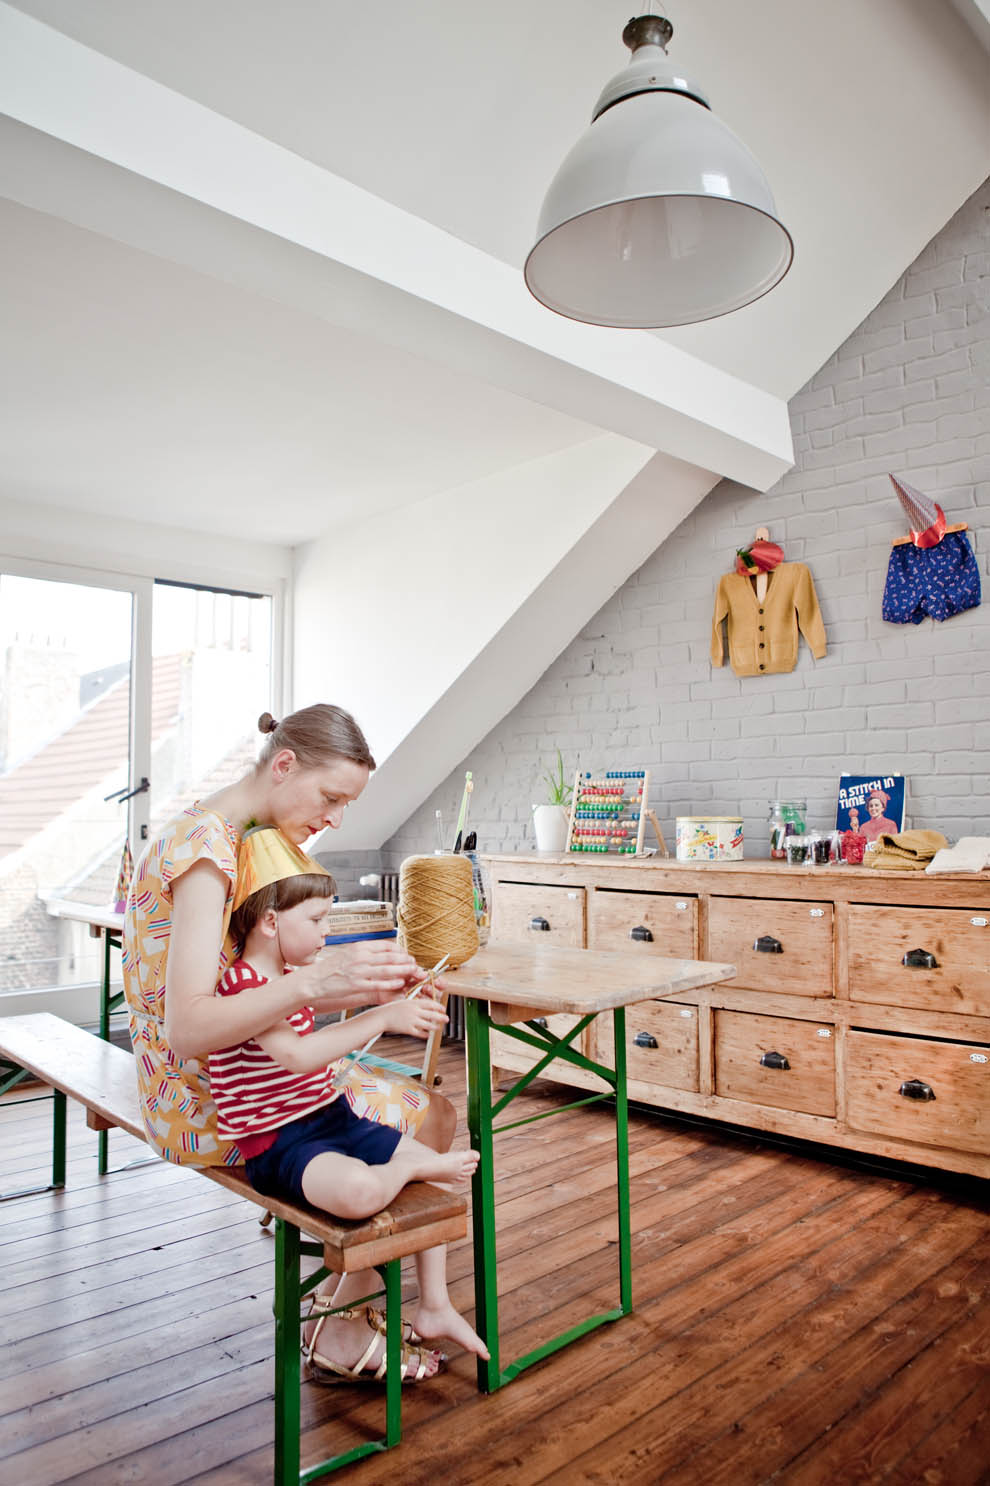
(177, 945)
(878, 823)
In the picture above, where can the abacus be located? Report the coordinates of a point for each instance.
(608, 812)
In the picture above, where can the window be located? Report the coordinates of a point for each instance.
(211, 680)
(107, 682)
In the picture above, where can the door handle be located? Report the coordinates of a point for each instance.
(127, 794)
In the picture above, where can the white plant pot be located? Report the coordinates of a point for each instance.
(550, 823)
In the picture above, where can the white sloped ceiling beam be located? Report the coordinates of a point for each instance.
(111, 150)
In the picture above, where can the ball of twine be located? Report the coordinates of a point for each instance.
(436, 909)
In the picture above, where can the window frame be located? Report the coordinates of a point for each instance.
(141, 587)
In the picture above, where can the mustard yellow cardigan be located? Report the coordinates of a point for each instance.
(763, 638)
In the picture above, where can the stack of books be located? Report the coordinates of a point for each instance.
(365, 918)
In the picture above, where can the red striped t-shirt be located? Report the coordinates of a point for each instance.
(254, 1095)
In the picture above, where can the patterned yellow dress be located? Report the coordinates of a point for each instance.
(180, 1116)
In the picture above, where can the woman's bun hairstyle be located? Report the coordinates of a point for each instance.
(315, 735)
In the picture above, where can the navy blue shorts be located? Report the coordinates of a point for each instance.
(278, 1171)
(935, 581)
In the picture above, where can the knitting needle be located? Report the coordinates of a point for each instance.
(354, 1058)
(462, 817)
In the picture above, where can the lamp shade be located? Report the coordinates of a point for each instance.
(659, 215)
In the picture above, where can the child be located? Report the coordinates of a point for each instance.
(300, 1139)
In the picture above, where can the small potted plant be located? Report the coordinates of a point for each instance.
(551, 819)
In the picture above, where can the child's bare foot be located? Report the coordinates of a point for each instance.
(452, 1168)
(443, 1321)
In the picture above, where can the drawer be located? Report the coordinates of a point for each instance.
(645, 923)
(506, 1052)
(957, 939)
(661, 1044)
(951, 1078)
(795, 954)
(530, 912)
(743, 1041)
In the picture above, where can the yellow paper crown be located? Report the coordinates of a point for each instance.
(266, 856)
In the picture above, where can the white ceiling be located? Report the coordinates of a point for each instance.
(124, 372)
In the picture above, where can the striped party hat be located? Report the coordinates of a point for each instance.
(926, 517)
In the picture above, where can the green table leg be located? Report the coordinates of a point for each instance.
(622, 1160)
(479, 1112)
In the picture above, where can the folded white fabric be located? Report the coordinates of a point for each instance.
(970, 854)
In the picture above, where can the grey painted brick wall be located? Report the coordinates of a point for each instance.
(909, 393)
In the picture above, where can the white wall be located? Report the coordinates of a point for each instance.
(908, 393)
(430, 628)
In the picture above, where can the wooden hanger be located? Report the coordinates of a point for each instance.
(959, 526)
(762, 579)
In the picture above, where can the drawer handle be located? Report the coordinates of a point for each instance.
(539, 1021)
(642, 933)
(774, 1060)
(913, 1088)
(539, 923)
(920, 959)
(768, 945)
(645, 1039)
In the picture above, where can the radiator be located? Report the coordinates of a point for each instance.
(389, 890)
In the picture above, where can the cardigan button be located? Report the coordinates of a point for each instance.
(762, 666)
(762, 628)
(762, 645)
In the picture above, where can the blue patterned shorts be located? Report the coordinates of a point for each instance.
(934, 581)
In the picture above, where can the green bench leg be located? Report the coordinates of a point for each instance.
(288, 1303)
(11, 1074)
(102, 1139)
(58, 1140)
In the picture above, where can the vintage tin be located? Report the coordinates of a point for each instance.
(709, 838)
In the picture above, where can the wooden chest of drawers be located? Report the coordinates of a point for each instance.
(859, 1015)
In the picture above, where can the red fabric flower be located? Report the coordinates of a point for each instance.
(760, 557)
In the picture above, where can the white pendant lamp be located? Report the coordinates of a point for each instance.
(659, 215)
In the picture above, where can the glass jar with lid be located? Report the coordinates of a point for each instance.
(787, 818)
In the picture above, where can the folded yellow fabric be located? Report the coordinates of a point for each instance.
(908, 851)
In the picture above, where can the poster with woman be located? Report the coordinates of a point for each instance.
(872, 805)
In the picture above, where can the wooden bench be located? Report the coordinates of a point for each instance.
(101, 1077)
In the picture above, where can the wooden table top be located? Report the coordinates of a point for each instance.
(579, 981)
(86, 913)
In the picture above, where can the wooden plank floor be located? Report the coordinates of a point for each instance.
(796, 1321)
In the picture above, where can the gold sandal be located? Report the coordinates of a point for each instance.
(376, 1319)
(412, 1360)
